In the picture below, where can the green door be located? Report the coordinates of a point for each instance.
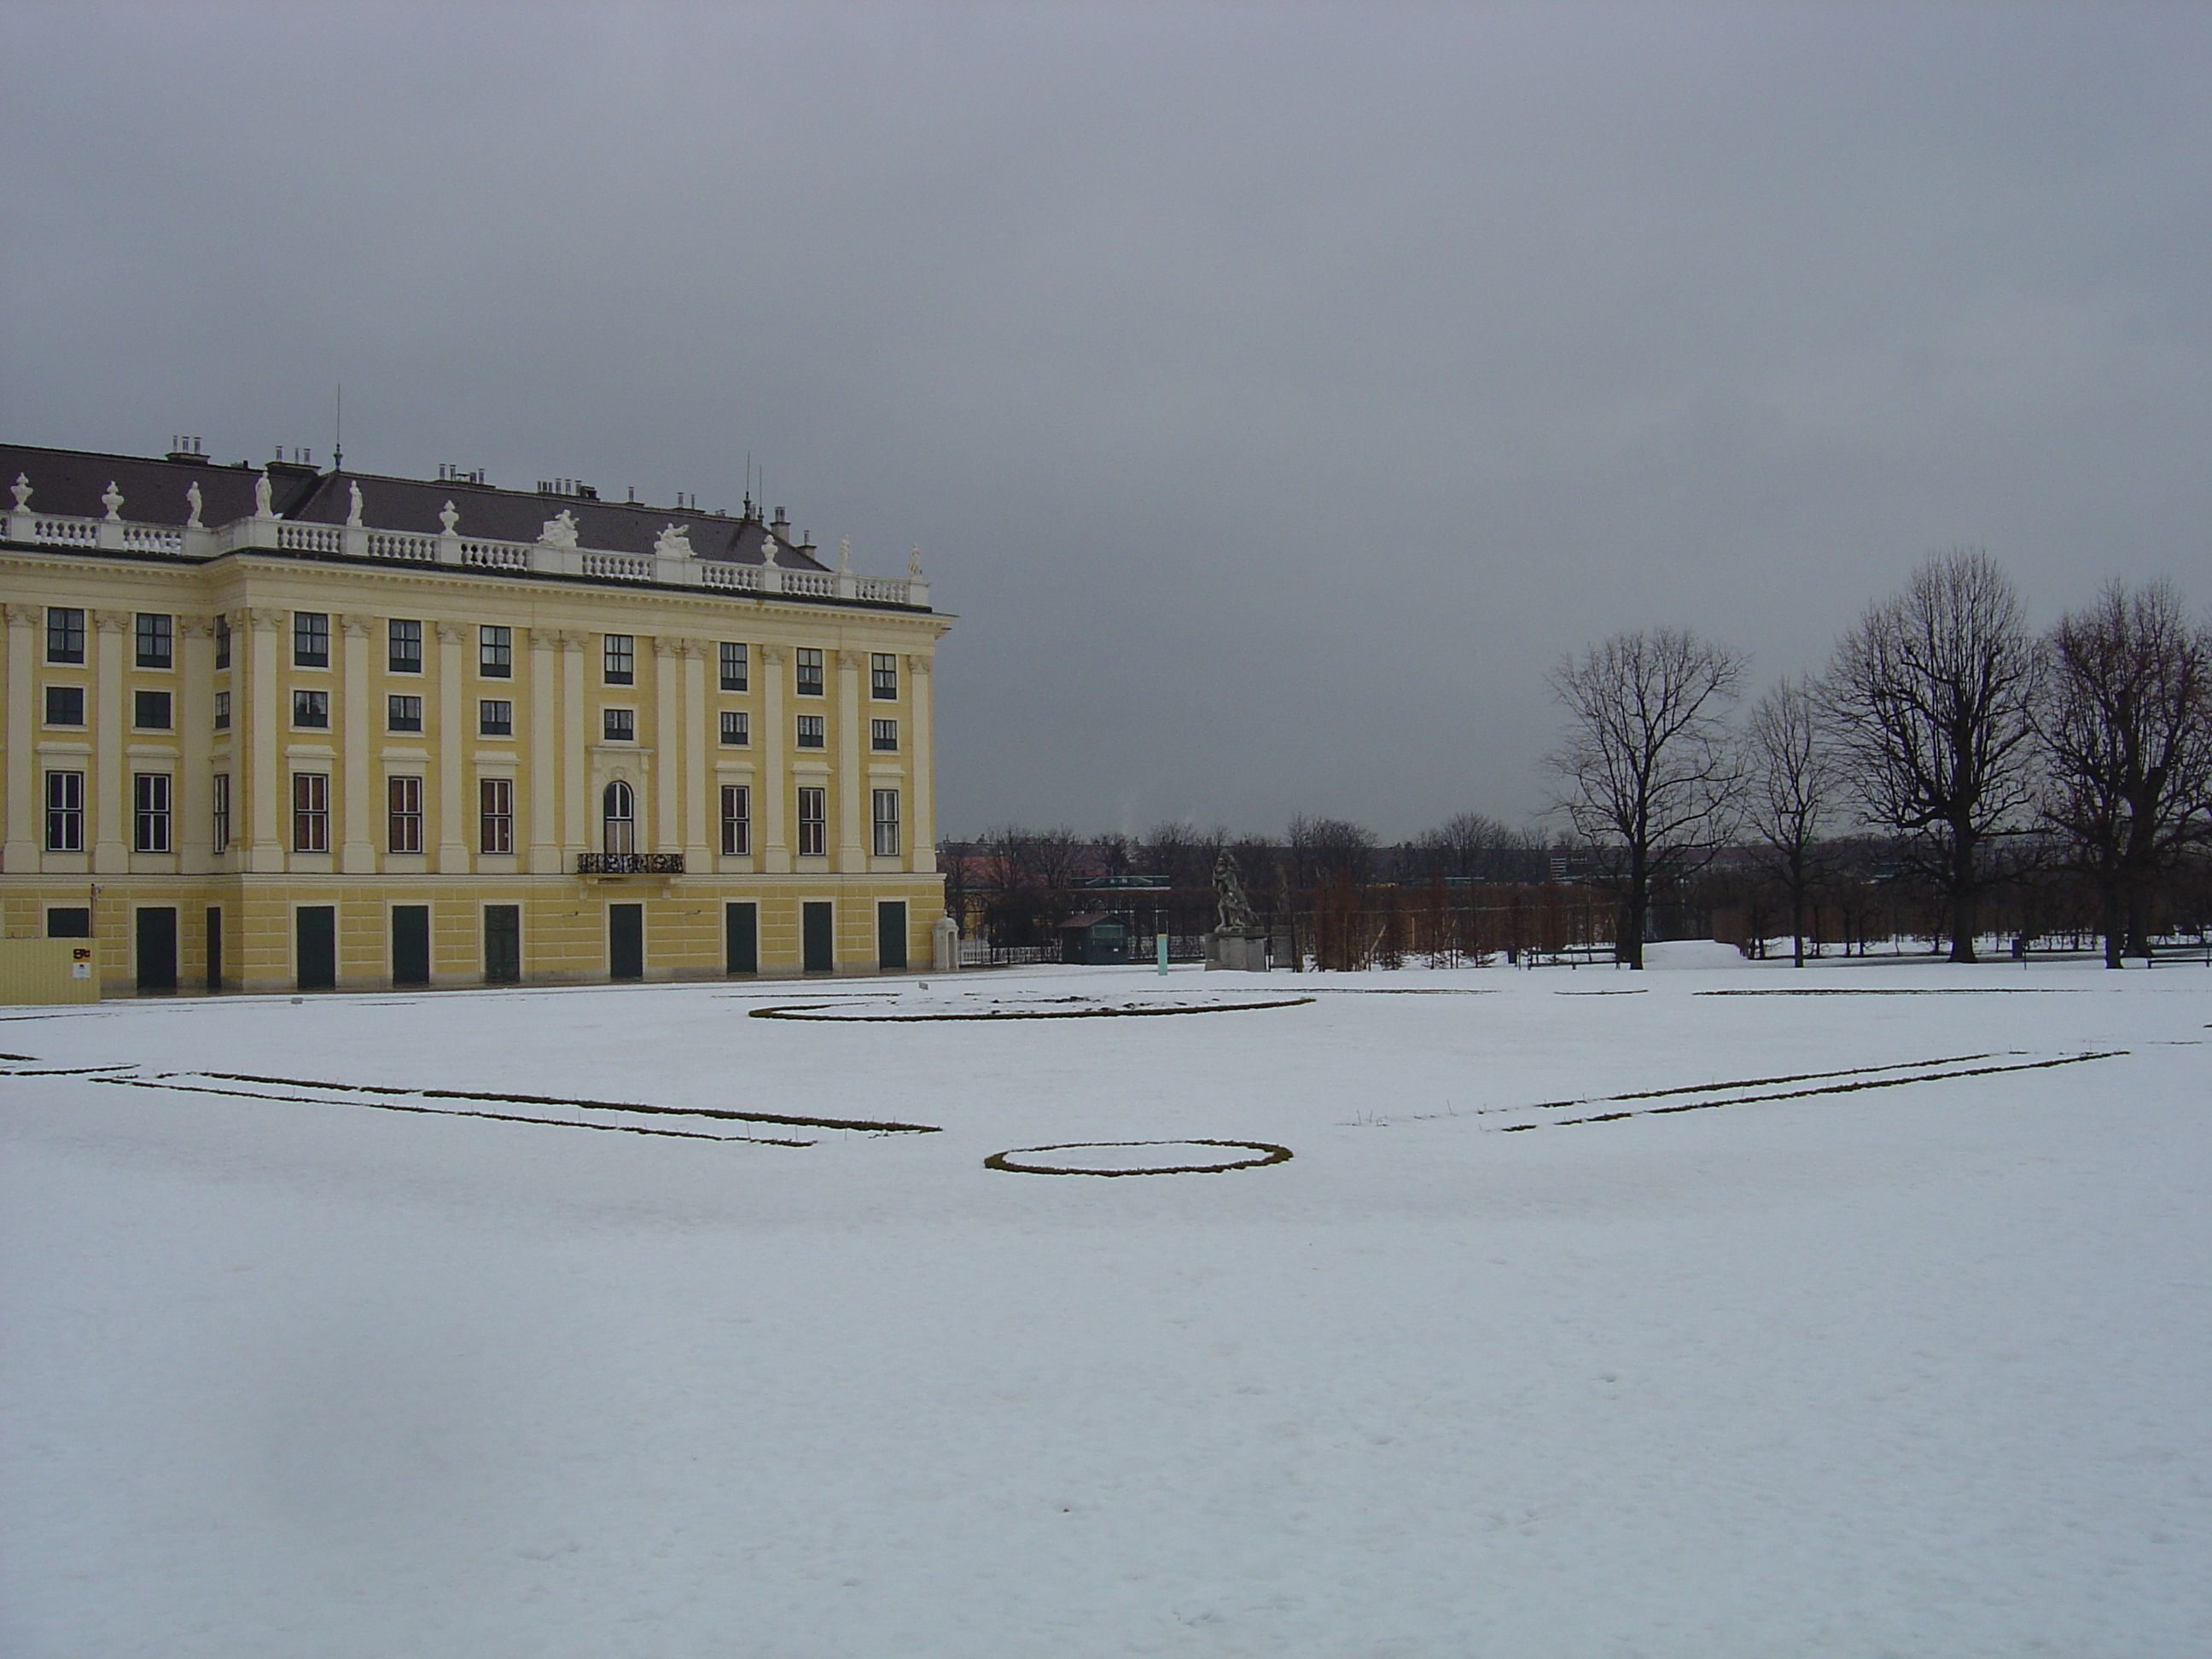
(625, 941)
(315, 938)
(411, 945)
(817, 938)
(891, 934)
(157, 950)
(502, 930)
(741, 938)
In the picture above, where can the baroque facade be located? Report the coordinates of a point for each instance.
(275, 728)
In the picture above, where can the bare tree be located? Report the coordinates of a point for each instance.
(1110, 852)
(1172, 850)
(2127, 729)
(1792, 783)
(1475, 848)
(1024, 859)
(1931, 697)
(1330, 848)
(1649, 775)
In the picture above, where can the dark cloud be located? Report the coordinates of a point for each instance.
(1275, 392)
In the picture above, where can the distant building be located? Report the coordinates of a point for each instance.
(282, 728)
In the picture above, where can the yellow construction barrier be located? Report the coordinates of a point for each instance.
(48, 970)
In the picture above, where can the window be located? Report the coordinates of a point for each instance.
(222, 642)
(222, 711)
(495, 815)
(149, 710)
(64, 635)
(66, 705)
(736, 728)
(813, 807)
(64, 812)
(734, 665)
(810, 672)
(309, 709)
(618, 658)
(403, 645)
(219, 811)
(736, 819)
(883, 735)
(886, 820)
(617, 818)
(311, 639)
(149, 804)
(810, 731)
(883, 675)
(403, 815)
(496, 653)
(618, 724)
(69, 922)
(311, 811)
(157, 640)
(495, 718)
(403, 714)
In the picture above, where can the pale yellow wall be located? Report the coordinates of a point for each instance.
(555, 757)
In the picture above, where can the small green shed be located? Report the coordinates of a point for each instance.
(1094, 940)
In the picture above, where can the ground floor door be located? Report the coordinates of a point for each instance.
(214, 948)
(817, 937)
(741, 938)
(411, 945)
(891, 934)
(156, 949)
(626, 941)
(502, 942)
(315, 944)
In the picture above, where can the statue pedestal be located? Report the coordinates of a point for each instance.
(1242, 949)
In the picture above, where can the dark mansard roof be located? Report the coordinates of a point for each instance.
(71, 482)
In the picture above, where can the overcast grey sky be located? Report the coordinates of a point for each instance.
(1275, 391)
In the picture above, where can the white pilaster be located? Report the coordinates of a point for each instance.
(358, 801)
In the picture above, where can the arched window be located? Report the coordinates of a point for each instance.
(618, 812)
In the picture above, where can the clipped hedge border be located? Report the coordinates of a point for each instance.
(1270, 1154)
(808, 1012)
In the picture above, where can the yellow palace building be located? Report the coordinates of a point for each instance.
(282, 728)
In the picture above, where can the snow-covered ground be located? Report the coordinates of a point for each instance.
(1511, 1356)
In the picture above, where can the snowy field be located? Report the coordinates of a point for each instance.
(1592, 1314)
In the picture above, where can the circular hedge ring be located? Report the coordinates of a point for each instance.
(1014, 1161)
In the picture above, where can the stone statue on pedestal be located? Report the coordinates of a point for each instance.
(1237, 940)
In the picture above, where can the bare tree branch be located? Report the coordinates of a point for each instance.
(1932, 695)
(1648, 769)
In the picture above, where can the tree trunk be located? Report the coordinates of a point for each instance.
(1629, 947)
(1966, 896)
(2115, 933)
(2138, 913)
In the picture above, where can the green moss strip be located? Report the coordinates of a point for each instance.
(1830, 1089)
(803, 1011)
(447, 1111)
(780, 1118)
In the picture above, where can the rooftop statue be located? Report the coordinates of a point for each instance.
(353, 506)
(193, 500)
(264, 500)
(559, 530)
(674, 542)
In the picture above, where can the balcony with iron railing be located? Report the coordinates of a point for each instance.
(629, 864)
